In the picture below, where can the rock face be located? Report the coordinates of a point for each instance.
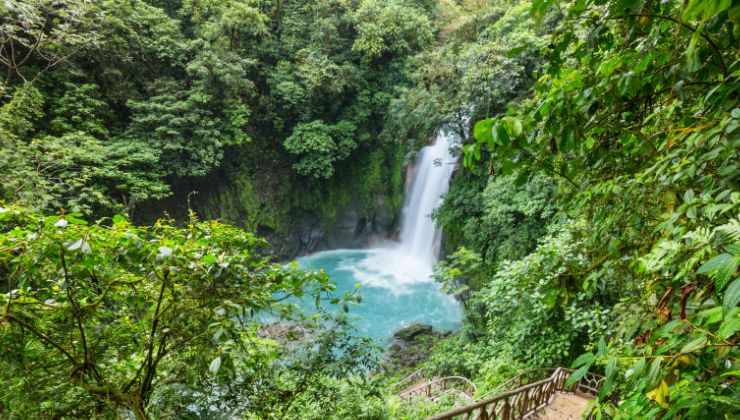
(411, 345)
(291, 232)
(355, 227)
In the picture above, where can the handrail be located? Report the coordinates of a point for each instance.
(452, 391)
(525, 400)
(431, 388)
(503, 386)
(410, 377)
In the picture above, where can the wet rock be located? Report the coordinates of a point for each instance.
(286, 333)
(411, 345)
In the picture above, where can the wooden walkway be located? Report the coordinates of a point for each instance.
(563, 407)
(546, 399)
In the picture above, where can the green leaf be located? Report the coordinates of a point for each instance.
(720, 268)
(694, 345)
(636, 369)
(731, 373)
(215, 365)
(602, 349)
(693, 60)
(706, 9)
(611, 368)
(730, 326)
(500, 135)
(584, 359)
(732, 296)
(513, 126)
(654, 370)
(483, 130)
(711, 316)
(539, 7)
(694, 9)
(577, 375)
(716, 7)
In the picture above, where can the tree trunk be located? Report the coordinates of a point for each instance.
(139, 411)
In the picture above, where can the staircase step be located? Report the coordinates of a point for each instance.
(564, 406)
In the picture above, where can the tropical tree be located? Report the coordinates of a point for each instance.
(99, 318)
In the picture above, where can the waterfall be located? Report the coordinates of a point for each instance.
(420, 237)
(399, 266)
(396, 277)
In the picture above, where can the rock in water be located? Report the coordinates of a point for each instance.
(411, 345)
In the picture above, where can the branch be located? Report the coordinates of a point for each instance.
(551, 170)
(42, 336)
(687, 26)
(75, 308)
(149, 361)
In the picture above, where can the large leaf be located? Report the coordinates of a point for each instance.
(694, 345)
(513, 126)
(483, 130)
(584, 359)
(720, 268)
(577, 375)
(730, 326)
(501, 135)
(732, 295)
(694, 9)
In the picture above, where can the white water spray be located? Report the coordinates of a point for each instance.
(420, 237)
(400, 264)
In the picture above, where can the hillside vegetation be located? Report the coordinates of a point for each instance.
(593, 221)
(597, 225)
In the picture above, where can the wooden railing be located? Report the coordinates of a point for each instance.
(436, 387)
(525, 400)
(522, 378)
(414, 376)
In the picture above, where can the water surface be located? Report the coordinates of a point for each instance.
(396, 291)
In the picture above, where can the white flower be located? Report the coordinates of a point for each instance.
(164, 252)
(61, 223)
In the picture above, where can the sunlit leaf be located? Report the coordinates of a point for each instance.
(215, 365)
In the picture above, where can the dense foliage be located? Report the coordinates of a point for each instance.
(96, 319)
(115, 105)
(632, 244)
(594, 222)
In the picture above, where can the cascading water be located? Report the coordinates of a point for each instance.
(396, 278)
(420, 237)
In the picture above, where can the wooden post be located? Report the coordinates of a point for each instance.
(483, 414)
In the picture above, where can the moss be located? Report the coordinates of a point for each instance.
(397, 178)
(373, 177)
(242, 200)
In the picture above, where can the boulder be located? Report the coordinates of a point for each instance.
(411, 345)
